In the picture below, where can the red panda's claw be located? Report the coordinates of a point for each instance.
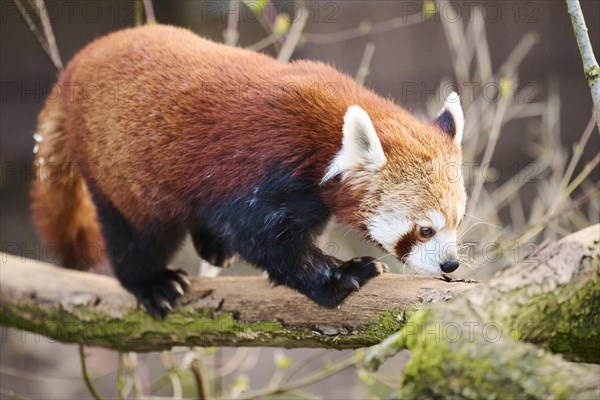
(183, 279)
(178, 288)
(161, 296)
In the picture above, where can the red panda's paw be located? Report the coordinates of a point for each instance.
(161, 295)
(364, 268)
(348, 278)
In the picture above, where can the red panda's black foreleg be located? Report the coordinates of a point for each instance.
(275, 226)
(328, 281)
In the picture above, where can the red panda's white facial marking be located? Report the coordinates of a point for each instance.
(386, 227)
(427, 256)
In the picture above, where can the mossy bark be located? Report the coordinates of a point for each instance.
(73, 306)
(474, 346)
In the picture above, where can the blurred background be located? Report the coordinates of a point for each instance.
(530, 152)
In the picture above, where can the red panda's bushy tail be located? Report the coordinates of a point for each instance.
(62, 208)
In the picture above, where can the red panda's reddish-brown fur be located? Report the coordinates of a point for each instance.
(61, 204)
(159, 119)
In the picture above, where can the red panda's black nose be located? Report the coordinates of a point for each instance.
(449, 266)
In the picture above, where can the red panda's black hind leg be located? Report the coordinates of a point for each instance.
(139, 258)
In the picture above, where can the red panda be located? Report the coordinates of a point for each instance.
(157, 133)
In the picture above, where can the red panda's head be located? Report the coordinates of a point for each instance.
(408, 172)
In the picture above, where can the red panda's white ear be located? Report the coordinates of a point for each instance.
(451, 119)
(360, 145)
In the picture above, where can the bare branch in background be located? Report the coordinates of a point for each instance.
(455, 35)
(37, 34)
(577, 153)
(365, 63)
(489, 150)
(364, 29)
(198, 372)
(138, 18)
(130, 361)
(231, 32)
(591, 69)
(293, 37)
(149, 10)
(49, 33)
(267, 24)
(86, 376)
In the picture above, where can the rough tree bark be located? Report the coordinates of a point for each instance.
(473, 346)
(74, 306)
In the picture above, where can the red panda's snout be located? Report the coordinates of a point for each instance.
(428, 245)
(430, 253)
(413, 198)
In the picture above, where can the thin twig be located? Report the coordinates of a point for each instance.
(587, 169)
(591, 69)
(527, 232)
(86, 376)
(482, 55)
(121, 377)
(362, 30)
(130, 361)
(318, 375)
(265, 42)
(149, 10)
(365, 63)
(138, 13)
(36, 32)
(293, 37)
(11, 394)
(49, 34)
(577, 152)
(479, 109)
(264, 18)
(197, 371)
(298, 365)
(232, 364)
(231, 33)
(455, 35)
(166, 358)
(489, 151)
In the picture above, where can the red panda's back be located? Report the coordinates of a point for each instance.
(152, 110)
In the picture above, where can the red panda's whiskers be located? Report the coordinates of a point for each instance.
(477, 224)
(469, 266)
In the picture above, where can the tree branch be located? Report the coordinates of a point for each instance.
(74, 306)
(474, 347)
(591, 69)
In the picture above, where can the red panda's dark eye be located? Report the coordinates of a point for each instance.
(426, 232)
